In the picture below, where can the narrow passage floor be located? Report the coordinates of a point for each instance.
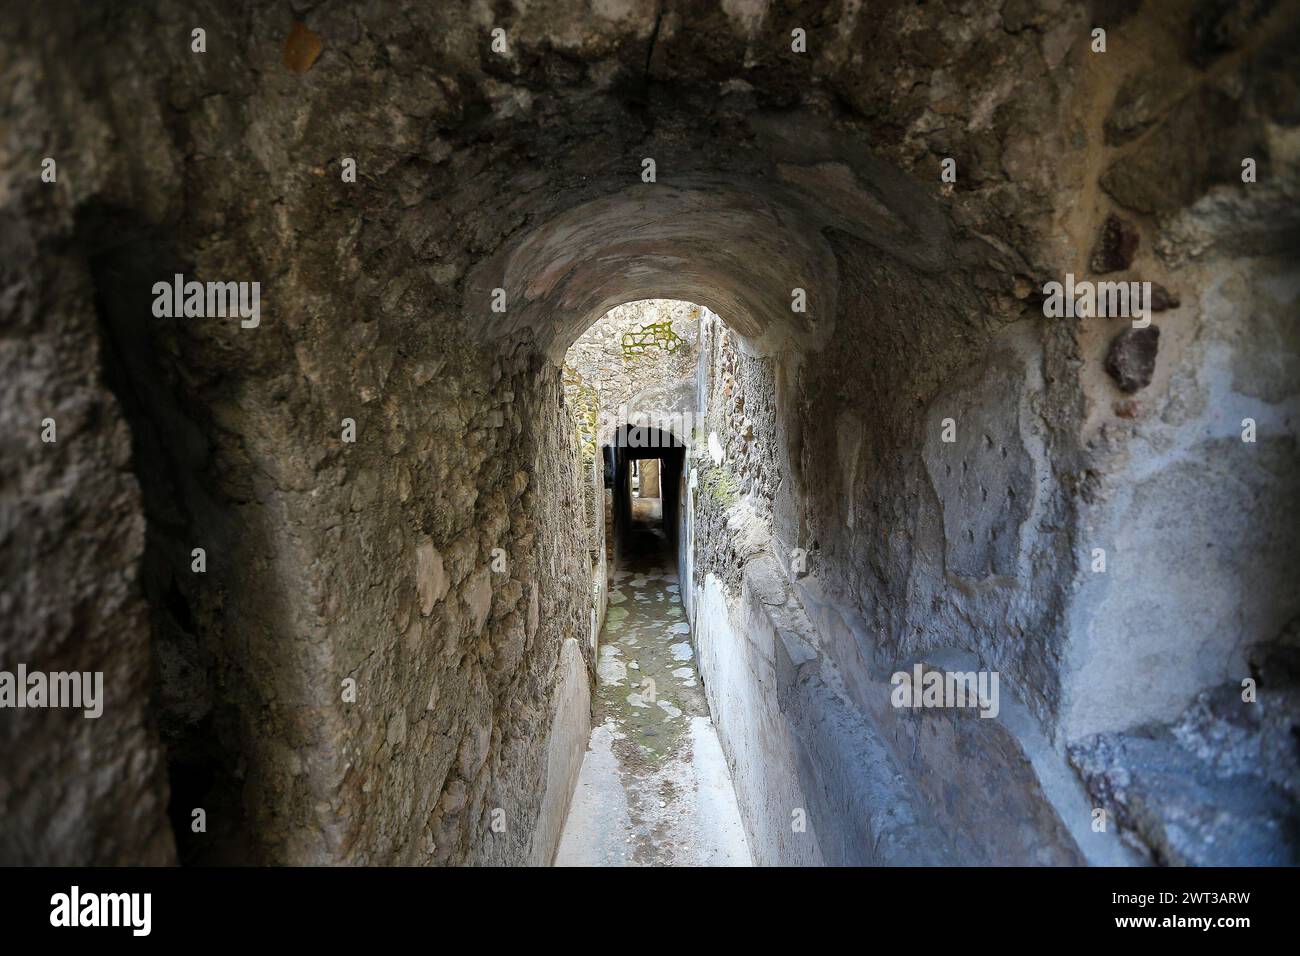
(654, 787)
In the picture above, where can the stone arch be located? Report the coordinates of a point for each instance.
(737, 241)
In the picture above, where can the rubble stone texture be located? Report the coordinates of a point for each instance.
(619, 379)
(438, 561)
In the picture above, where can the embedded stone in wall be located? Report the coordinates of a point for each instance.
(1115, 247)
(430, 577)
(1162, 299)
(478, 595)
(533, 611)
(1131, 360)
(474, 747)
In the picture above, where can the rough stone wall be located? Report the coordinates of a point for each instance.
(584, 408)
(733, 517)
(831, 465)
(73, 789)
(1041, 428)
(464, 688)
(937, 544)
(982, 546)
(929, 544)
(1190, 516)
(370, 560)
(1195, 522)
(599, 359)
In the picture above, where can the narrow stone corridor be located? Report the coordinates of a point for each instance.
(654, 787)
(650, 433)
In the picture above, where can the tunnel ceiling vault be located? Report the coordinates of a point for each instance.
(725, 250)
(736, 231)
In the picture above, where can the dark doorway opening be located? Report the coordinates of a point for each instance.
(647, 492)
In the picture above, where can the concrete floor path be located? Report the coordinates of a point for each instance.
(654, 789)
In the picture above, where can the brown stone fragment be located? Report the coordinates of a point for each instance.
(301, 48)
(1115, 247)
(1162, 299)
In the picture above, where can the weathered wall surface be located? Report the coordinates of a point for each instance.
(1196, 524)
(606, 389)
(464, 689)
(617, 378)
(1194, 521)
(797, 646)
(761, 750)
(435, 561)
(978, 549)
(72, 533)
